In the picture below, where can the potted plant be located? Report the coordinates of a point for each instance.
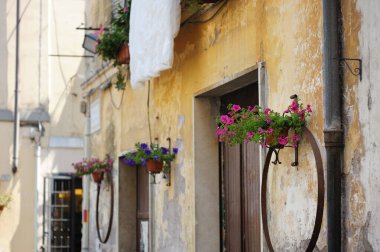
(153, 157)
(263, 126)
(112, 43)
(4, 201)
(94, 166)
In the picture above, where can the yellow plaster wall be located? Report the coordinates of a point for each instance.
(287, 35)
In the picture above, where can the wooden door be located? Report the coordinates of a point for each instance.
(240, 185)
(142, 210)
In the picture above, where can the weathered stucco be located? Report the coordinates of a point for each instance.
(287, 36)
(45, 83)
(361, 176)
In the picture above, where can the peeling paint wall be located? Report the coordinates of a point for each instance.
(361, 175)
(287, 36)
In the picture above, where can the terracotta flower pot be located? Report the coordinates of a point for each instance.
(154, 166)
(270, 139)
(98, 177)
(123, 55)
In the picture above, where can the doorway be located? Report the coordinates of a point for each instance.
(133, 208)
(216, 232)
(240, 184)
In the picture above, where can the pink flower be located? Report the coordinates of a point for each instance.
(103, 170)
(225, 119)
(269, 131)
(267, 110)
(246, 140)
(294, 106)
(268, 120)
(286, 111)
(309, 108)
(236, 108)
(250, 134)
(96, 170)
(221, 131)
(282, 140)
(263, 144)
(261, 130)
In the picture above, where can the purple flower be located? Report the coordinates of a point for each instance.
(155, 158)
(175, 150)
(143, 161)
(148, 152)
(144, 146)
(164, 150)
(131, 162)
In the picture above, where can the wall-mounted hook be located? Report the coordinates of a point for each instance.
(357, 71)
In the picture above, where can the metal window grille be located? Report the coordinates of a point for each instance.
(62, 212)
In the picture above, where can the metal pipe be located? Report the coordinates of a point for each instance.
(16, 121)
(37, 192)
(333, 133)
(86, 180)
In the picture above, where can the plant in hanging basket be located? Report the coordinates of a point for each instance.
(153, 157)
(94, 166)
(4, 201)
(263, 126)
(112, 43)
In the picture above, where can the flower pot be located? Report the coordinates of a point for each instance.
(270, 139)
(154, 166)
(97, 177)
(123, 55)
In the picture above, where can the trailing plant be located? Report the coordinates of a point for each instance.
(154, 152)
(110, 41)
(259, 125)
(94, 165)
(5, 200)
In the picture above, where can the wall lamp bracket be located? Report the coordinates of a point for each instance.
(357, 71)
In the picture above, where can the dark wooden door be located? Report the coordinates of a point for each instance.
(240, 185)
(142, 210)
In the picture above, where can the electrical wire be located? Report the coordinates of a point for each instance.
(113, 102)
(200, 13)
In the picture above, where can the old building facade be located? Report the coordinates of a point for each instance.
(260, 52)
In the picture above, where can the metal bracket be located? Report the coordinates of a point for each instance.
(357, 71)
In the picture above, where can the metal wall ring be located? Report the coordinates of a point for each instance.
(111, 213)
(320, 200)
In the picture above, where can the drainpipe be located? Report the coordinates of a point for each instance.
(85, 180)
(37, 214)
(16, 120)
(333, 133)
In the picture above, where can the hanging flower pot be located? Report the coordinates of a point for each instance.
(94, 167)
(97, 177)
(154, 166)
(123, 55)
